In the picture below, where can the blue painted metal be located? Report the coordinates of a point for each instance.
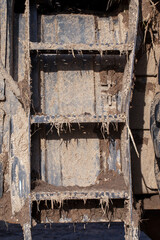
(78, 119)
(22, 186)
(80, 29)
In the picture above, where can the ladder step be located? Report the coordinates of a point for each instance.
(80, 47)
(78, 119)
(79, 195)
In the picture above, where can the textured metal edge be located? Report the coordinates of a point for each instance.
(78, 119)
(81, 47)
(78, 195)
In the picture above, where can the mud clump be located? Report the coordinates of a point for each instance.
(25, 94)
(105, 181)
(114, 85)
(6, 211)
(5, 168)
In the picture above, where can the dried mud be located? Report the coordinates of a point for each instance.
(109, 180)
(5, 164)
(145, 87)
(116, 81)
(25, 94)
(89, 211)
(6, 211)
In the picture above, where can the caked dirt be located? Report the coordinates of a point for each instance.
(90, 211)
(149, 28)
(115, 84)
(5, 167)
(6, 211)
(109, 180)
(25, 94)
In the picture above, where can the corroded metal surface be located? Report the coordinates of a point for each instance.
(64, 195)
(79, 119)
(67, 29)
(89, 89)
(81, 47)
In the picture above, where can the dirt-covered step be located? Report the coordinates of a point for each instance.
(101, 48)
(85, 118)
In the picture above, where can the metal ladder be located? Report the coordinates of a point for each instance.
(34, 52)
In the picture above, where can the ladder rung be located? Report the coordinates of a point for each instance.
(80, 47)
(78, 195)
(78, 119)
